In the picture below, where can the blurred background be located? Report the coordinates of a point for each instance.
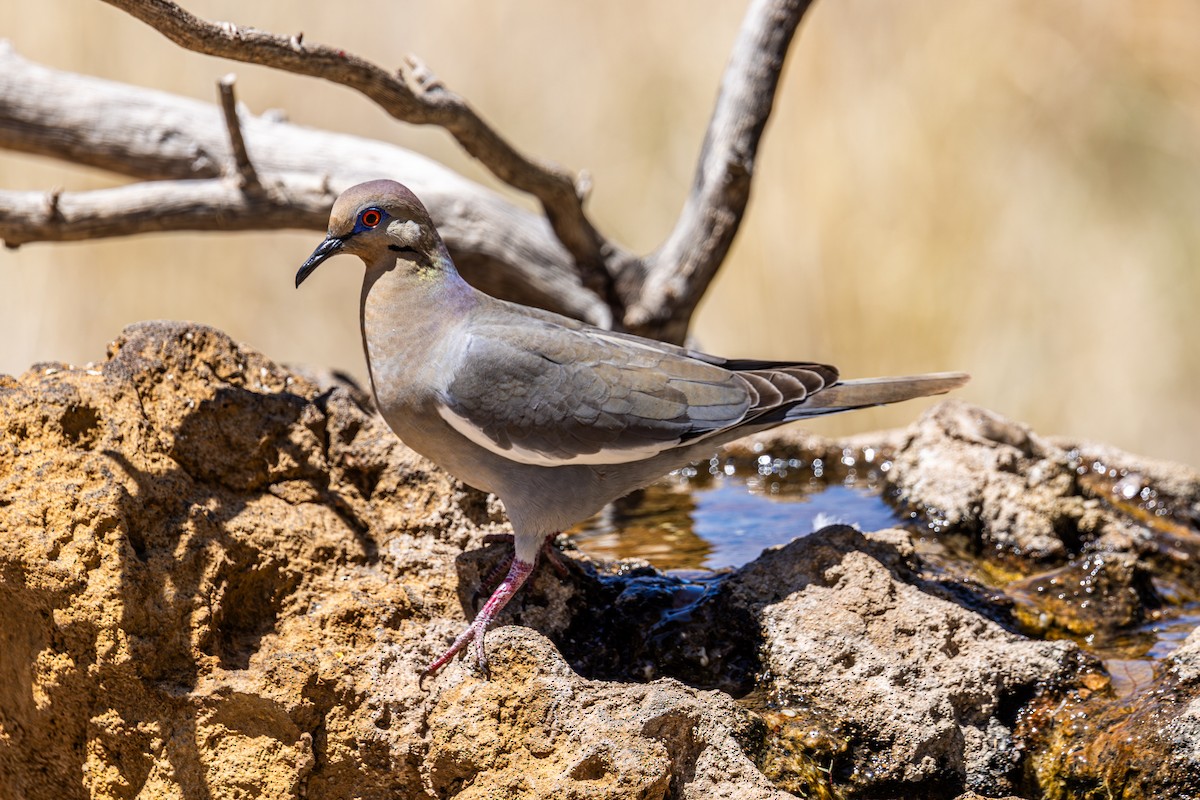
(1007, 187)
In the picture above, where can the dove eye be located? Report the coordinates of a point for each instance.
(371, 217)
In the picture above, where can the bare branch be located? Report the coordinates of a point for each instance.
(152, 135)
(502, 249)
(200, 205)
(677, 275)
(248, 176)
(412, 96)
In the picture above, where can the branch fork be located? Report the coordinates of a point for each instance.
(561, 261)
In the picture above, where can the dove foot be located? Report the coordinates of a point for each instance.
(518, 571)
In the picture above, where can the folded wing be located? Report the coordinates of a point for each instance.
(553, 397)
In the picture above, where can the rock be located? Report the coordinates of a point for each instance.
(1075, 539)
(964, 466)
(924, 692)
(219, 578)
(1142, 746)
(539, 730)
(1065, 522)
(1099, 592)
(1041, 499)
(1171, 491)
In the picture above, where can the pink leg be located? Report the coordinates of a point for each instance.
(553, 557)
(517, 573)
(489, 581)
(493, 576)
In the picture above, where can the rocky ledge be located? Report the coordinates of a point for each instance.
(220, 579)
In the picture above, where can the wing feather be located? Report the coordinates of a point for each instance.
(543, 393)
(553, 396)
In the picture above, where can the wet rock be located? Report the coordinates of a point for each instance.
(1044, 500)
(1099, 592)
(923, 693)
(634, 624)
(970, 469)
(1138, 747)
(1158, 501)
(1160, 490)
(1083, 528)
(1048, 537)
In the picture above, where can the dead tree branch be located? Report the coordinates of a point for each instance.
(412, 95)
(156, 136)
(201, 205)
(247, 175)
(558, 262)
(676, 276)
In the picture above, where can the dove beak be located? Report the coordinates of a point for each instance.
(330, 247)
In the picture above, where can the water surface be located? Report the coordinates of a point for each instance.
(726, 519)
(723, 514)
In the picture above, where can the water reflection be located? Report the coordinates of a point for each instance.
(712, 521)
(1130, 656)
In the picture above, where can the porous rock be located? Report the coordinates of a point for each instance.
(1142, 746)
(926, 691)
(967, 466)
(1040, 499)
(1074, 539)
(219, 580)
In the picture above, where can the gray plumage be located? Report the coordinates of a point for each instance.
(555, 417)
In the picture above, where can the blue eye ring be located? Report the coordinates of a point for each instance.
(370, 217)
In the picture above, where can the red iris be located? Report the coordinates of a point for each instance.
(371, 217)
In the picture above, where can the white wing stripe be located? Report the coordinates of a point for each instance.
(537, 459)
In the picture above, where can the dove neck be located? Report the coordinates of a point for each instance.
(408, 313)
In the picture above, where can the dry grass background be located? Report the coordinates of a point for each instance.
(1006, 187)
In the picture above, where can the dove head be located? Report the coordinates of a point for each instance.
(383, 223)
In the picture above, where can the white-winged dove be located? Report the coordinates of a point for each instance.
(555, 417)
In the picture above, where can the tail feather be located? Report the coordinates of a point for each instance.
(848, 395)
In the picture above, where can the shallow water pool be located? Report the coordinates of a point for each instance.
(725, 520)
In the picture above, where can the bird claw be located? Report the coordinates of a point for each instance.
(481, 662)
(517, 573)
(473, 632)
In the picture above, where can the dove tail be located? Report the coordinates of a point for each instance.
(848, 395)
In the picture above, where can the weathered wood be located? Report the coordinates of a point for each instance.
(411, 94)
(247, 174)
(676, 276)
(559, 261)
(156, 136)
